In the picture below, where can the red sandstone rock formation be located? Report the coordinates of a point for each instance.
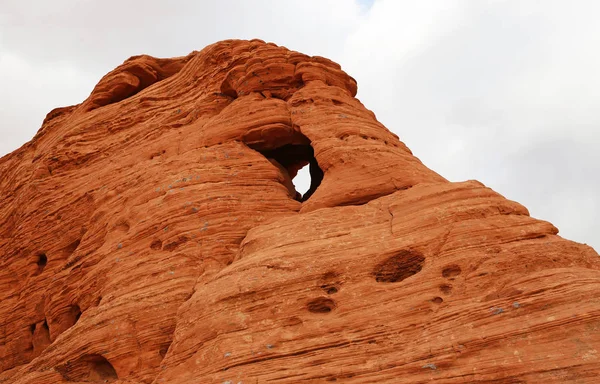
(151, 234)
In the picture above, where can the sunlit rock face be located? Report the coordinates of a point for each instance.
(152, 234)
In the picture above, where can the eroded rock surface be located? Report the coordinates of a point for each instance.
(152, 234)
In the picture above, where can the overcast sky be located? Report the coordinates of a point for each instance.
(505, 92)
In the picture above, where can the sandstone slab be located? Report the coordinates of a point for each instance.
(152, 234)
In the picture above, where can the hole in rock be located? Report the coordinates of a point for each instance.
(89, 368)
(42, 260)
(399, 267)
(321, 305)
(329, 289)
(446, 289)
(69, 317)
(451, 271)
(437, 300)
(298, 163)
(156, 245)
(175, 243)
(330, 282)
(302, 180)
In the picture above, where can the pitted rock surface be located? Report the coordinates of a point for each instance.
(152, 234)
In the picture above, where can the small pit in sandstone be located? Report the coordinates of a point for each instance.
(451, 271)
(329, 289)
(156, 245)
(446, 289)
(41, 261)
(330, 283)
(88, 368)
(321, 305)
(293, 159)
(399, 267)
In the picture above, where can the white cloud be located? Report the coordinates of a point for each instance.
(502, 91)
(30, 91)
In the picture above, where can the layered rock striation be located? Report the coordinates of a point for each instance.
(152, 234)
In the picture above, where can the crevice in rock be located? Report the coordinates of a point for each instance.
(88, 368)
(164, 348)
(292, 158)
(71, 248)
(362, 200)
(40, 338)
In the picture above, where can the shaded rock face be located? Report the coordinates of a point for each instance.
(152, 234)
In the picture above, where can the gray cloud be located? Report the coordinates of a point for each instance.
(505, 92)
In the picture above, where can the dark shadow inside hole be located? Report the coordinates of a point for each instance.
(42, 260)
(71, 316)
(74, 313)
(294, 157)
(321, 305)
(329, 289)
(163, 349)
(399, 267)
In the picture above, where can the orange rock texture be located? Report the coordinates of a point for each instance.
(152, 234)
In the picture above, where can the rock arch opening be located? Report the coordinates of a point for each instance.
(291, 159)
